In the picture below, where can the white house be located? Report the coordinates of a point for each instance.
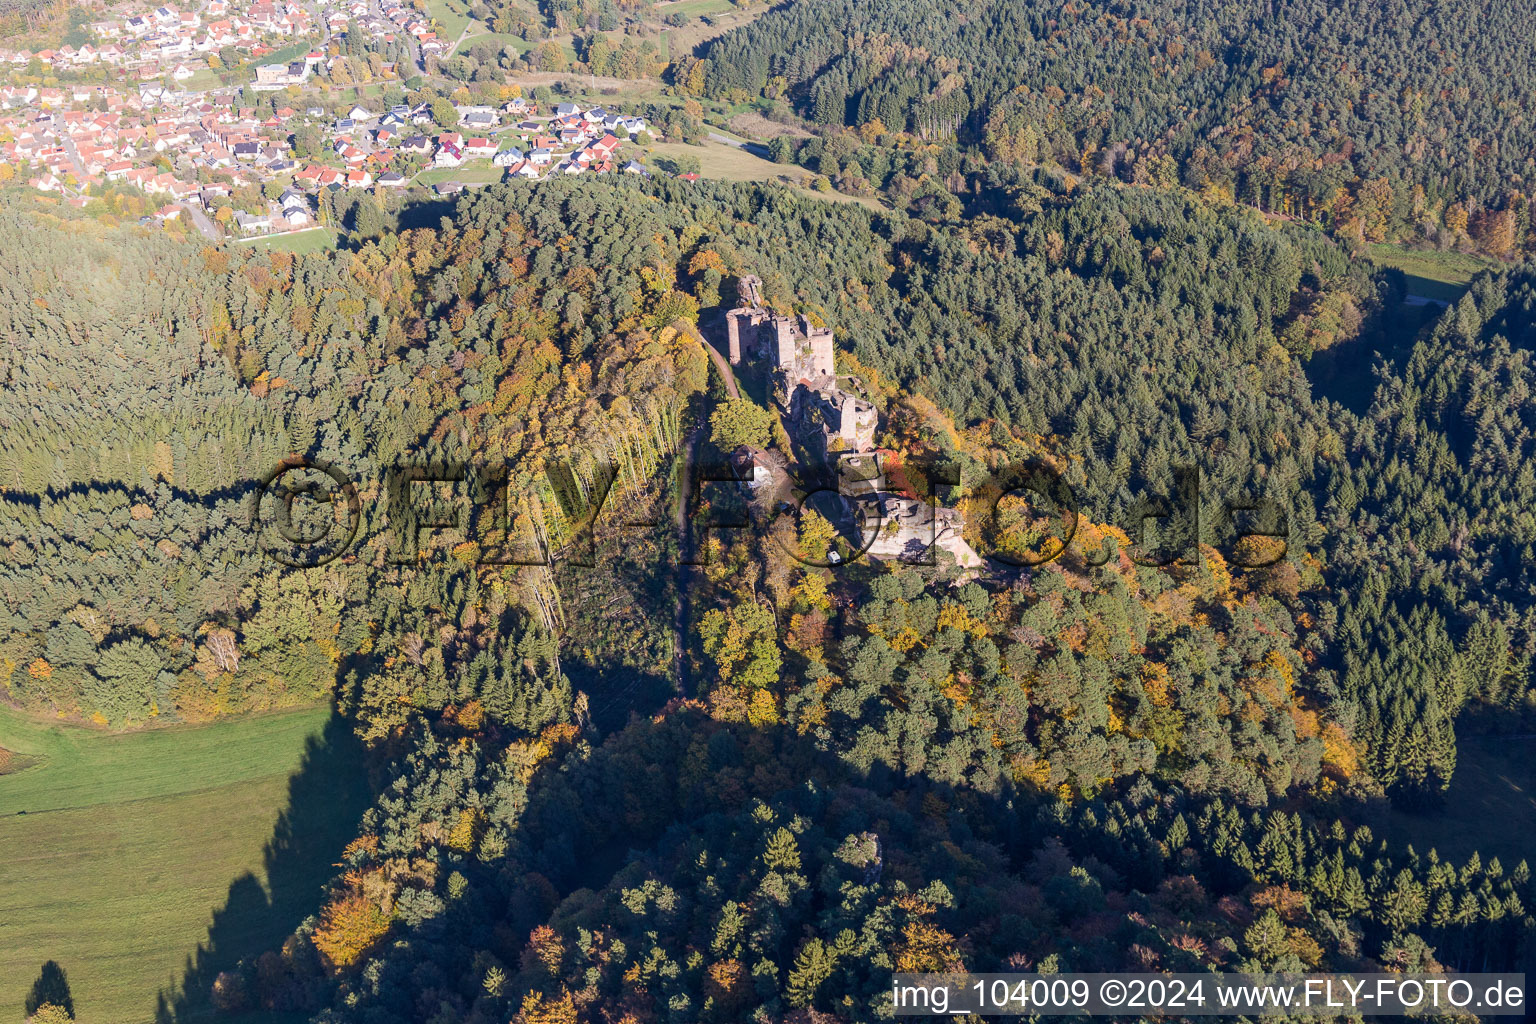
(253, 221)
(477, 116)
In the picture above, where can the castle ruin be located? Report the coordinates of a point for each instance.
(834, 417)
(805, 381)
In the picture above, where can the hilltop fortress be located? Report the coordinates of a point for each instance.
(834, 418)
(824, 414)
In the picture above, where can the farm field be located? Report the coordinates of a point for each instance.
(130, 857)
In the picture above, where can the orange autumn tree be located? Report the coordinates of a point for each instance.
(729, 987)
(349, 927)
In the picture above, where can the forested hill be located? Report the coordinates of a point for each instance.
(1122, 332)
(1282, 101)
(1091, 765)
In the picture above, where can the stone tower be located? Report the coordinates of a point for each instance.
(821, 347)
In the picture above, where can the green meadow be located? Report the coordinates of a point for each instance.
(452, 16)
(1431, 273)
(308, 240)
(144, 862)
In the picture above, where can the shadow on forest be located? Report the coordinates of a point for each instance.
(1347, 372)
(658, 781)
(326, 797)
(615, 696)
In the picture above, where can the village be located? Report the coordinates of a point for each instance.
(831, 419)
(138, 118)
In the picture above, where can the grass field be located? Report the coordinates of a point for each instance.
(727, 163)
(451, 17)
(731, 163)
(1431, 273)
(1491, 806)
(475, 172)
(497, 40)
(677, 42)
(202, 80)
(122, 852)
(308, 240)
(694, 8)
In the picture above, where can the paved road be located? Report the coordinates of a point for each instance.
(200, 219)
(70, 150)
(462, 33)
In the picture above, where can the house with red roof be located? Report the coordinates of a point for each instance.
(605, 147)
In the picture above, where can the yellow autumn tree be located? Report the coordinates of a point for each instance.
(541, 1009)
(927, 948)
(706, 259)
(762, 709)
(1339, 752)
(729, 985)
(924, 947)
(466, 830)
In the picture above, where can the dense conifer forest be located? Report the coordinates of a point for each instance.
(622, 788)
(1383, 120)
